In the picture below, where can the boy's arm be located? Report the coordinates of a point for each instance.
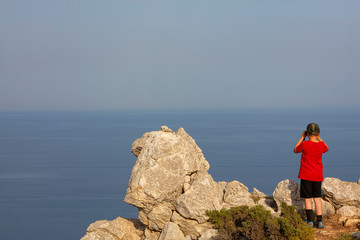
(327, 147)
(300, 141)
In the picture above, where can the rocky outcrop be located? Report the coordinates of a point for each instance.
(341, 193)
(288, 191)
(172, 190)
(119, 229)
(340, 197)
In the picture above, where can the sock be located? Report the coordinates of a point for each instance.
(309, 214)
(318, 218)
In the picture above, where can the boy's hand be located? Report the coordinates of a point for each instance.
(303, 135)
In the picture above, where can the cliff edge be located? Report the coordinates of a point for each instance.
(172, 189)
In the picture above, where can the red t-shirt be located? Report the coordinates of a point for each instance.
(311, 167)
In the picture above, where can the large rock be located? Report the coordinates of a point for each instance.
(341, 193)
(190, 227)
(349, 211)
(288, 191)
(118, 229)
(171, 231)
(237, 194)
(204, 194)
(164, 160)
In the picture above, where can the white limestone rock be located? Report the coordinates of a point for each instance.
(209, 234)
(190, 227)
(341, 193)
(237, 194)
(164, 160)
(118, 229)
(288, 191)
(171, 231)
(204, 194)
(348, 211)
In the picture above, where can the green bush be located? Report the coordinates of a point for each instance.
(257, 223)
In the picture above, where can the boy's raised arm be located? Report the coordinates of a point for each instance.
(324, 143)
(300, 141)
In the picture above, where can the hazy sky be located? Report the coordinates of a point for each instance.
(107, 54)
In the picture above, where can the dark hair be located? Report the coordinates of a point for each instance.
(313, 129)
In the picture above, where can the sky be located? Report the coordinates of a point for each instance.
(107, 54)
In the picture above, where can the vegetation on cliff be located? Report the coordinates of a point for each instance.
(257, 223)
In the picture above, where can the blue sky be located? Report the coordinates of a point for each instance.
(107, 54)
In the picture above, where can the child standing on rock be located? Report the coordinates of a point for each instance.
(311, 171)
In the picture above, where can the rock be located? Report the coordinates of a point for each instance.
(190, 227)
(327, 208)
(187, 237)
(351, 222)
(165, 129)
(348, 211)
(164, 160)
(209, 234)
(237, 194)
(118, 229)
(150, 235)
(171, 231)
(269, 204)
(356, 234)
(358, 181)
(288, 191)
(159, 216)
(258, 193)
(341, 193)
(204, 194)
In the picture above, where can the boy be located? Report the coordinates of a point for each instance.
(311, 171)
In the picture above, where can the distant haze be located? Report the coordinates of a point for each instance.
(105, 54)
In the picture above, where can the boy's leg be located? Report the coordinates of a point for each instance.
(309, 209)
(308, 204)
(318, 206)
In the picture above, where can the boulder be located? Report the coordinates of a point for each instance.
(288, 191)
(258, 193)
(209, 234)
(237, 194)
(150, 235)
(204, 194)
(356, 234)
(164, 160)
(158, 216)
(190, 227)
(341, 193)
(348, 211)
(171, 231)
(118, 229)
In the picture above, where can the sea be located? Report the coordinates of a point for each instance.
(63, 170)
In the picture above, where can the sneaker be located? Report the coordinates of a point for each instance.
(320, 224)
(310, 223)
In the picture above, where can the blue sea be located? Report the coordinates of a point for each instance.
(61, 171)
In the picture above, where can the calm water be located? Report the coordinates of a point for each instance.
(61, 171)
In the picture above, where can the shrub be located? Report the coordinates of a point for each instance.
(257, 223)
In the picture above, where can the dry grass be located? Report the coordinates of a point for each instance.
(332, 229)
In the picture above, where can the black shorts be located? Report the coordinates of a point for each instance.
(310, 189)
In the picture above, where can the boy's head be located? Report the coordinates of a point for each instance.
(313, 129)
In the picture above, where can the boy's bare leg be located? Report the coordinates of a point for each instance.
(318, 206)
(308, 204)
